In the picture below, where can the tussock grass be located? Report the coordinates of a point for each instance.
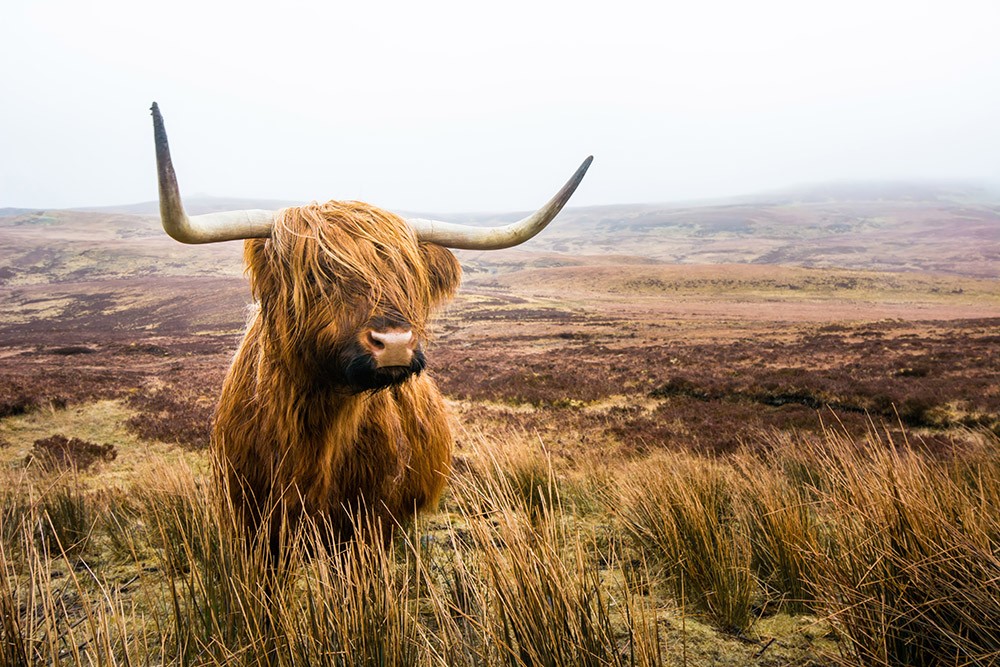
(528, 564)
(531, 587)
(914, 568)
(516, 473)
(784, 533)
(54, 610)
(897, 548)
(681, 510)
(15, 505)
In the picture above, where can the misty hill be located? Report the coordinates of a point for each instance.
(195, 205)
(8, 211)
(895, 227)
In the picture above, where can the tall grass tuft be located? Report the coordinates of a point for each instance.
(783, 528)
(15, 510)
(53, 612)
(219, 587)
(66, 519)
(513, 469)
(681, 510)
(357, 604)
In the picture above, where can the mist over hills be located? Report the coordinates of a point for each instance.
(195, 205)
(837, 191)
(945, 227)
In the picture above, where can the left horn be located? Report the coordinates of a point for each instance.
(469, 237)
(208, 228)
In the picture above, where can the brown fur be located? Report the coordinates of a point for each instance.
(287, 433)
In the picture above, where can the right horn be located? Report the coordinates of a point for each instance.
(469, 237)
(208, 228)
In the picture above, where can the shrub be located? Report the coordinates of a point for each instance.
(169, 416)
(60, 452)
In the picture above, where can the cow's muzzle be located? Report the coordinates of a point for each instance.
(385, 357)
(390, 348)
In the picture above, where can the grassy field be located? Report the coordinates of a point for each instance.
(816, 549)
(772, 466)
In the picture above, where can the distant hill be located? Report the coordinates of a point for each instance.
(948, 228)
(895, 228)
(196, 205)
(847, 191)
(891, 227)
(6, 212)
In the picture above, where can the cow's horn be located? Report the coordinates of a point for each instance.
(452, 235)
(257, 223)
(208, 228)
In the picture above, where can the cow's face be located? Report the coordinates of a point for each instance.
(346, 292)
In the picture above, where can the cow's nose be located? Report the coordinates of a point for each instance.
(390, 348)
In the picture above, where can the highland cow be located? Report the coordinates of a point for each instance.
(326, 409)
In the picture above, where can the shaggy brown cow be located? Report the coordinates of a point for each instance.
(325, 410)
(325, 402)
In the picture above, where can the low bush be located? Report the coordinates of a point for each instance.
(173, 415)
(57, 452)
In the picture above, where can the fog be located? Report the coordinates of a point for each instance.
(459, 106)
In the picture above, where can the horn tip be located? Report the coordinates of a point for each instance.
(159, 132)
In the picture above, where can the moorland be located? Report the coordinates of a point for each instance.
(756, 430)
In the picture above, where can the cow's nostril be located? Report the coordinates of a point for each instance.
(374, 342)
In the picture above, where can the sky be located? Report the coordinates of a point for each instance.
(467, 106)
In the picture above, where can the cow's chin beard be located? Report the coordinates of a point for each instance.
(361, 375)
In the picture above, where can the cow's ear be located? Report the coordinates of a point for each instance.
(258, 268)
(443, 270)
(266, 285)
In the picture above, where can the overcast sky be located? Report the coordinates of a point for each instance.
(469, 106)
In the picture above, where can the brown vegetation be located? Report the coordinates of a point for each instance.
(714, 390)
(637, 376)
(60, 452)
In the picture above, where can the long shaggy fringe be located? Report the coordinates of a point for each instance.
(348, 251)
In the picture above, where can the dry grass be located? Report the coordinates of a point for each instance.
(912, 572)
(897, 548)
(536, 563)
(681, 511)
(508, 585)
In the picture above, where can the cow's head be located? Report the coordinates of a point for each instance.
(345, 289)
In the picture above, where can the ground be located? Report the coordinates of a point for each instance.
(576, 365)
